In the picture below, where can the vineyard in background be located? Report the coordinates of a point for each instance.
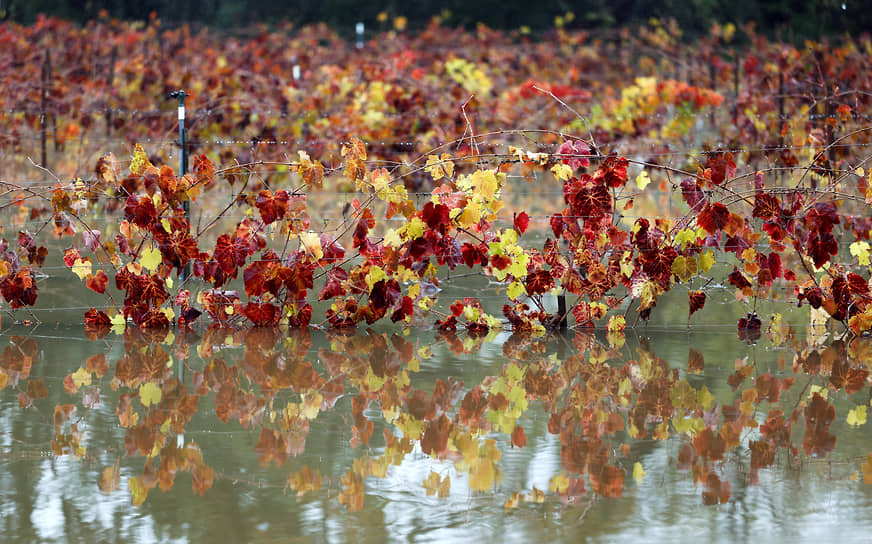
(590, 174)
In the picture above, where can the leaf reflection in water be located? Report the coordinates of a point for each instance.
(392, 398)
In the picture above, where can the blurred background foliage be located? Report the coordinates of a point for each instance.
(790, 20)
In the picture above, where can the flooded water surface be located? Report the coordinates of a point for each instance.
(263, 435)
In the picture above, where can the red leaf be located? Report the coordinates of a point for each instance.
(738, 279)
(435, 439)
(766, 206)
(97, 282)
(96, 317)
(570, 149)
(714, 490)
(818, 417)
(500, 262)
(71, 255)
(473, 255)
(405, 309)
(436, 217)
(262, 315)
(154, 319)
(821, 247)
(272, 207)
(519, 437)
(612, 172)
(722, 166)
(539, 282)
(713, 217)
(333, 287)
(592, 202)
(140, 211)
(522, 221)
(693, 195)
(225, 254)
(697, 301)
(19, 290)
(857, 284)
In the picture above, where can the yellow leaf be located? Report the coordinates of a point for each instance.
(515, 290)
(439, 166)
(118, 323)
(150, 259)
(412, 428)
(562, 171)
(169, 313)
(414, 290)
(559, 483)
(689, 425)
(706, 261)
(81, 377)
(857, 416)
(149, 393)
(434, 485)
(312, 242)
(686, 236)
(82, 268)
(514, 500)
(311, 404)
(638, 472)
(375, 275)
(414, 228)
(138, 491)
(642, 180)
(373, 381)
(705, 398)
(627, 264)
(392, 239)
(860, 250)
(381, 182)
(822, 391)
(684, 267)
(139, 162)
(518, 268)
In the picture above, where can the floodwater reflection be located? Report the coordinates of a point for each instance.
(263, 434)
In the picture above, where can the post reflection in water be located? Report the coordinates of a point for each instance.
(259, 434)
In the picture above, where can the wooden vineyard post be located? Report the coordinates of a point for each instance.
(561, 311)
